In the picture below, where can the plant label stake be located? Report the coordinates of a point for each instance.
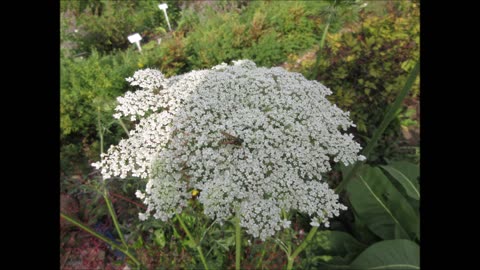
(164, 7)
(135, 38)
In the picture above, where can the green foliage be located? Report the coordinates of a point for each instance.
(381, 206)
(189, 19)
(368, 67)
(389, 254)
(159, 237)
(331, 247)
(89, 87)
(366, 64)
(407, 175)
(104, 25)
(173, 58)
(406, 119)
(265, 32)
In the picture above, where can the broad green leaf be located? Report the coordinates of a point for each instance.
(389, 254)
(332, 247)
(407, 175)
(159, 238)
(336, 242)
(381, 206)
(361, 231)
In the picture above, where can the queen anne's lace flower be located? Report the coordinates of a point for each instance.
(254, 140)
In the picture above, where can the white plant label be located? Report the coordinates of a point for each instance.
(164, 7)
(135, 38)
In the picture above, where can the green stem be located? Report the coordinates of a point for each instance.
(123, 126)
(99, 236)
(322, 43)
(324, 35)
(190, 237)
(100, 132)
(300, 248)
(238, 239)
(113, 215)
(260, 261)
(289, 234)
(389, 116)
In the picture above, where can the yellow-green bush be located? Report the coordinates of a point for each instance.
(366, 65)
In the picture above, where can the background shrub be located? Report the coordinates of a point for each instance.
(104, 25)
(265, 32)
(366, 65)
(88, 90)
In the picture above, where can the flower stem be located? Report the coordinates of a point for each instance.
(389, 116)
(322, 42)
(105, 192)
(190, 237)
(101, 237)
(113, 215)
(100, 132)
(238, 241)
(123, 126)
(300, 248)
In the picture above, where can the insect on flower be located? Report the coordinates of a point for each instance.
(195, 193)
(230, 139)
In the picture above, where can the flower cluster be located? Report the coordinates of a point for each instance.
(251, 139)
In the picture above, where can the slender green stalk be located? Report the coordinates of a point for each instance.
(101, 237)
(260, 261)
(324, 35)
(319, 52)
(282, 245)
(205, 232)
(238, 241)
(289, 234)
(389, 116)
(300, 248)
(322, 43)
(113, 215)
(123, 126)
(105, 192)
(190, 237)
(100, 132)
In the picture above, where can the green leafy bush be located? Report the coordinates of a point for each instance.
(366, 65)
(105, 25)
(371, 65)
(265, 32)
(88, 88)
(85, 82)
(172, 58)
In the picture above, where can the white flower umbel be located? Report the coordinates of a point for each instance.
(251, 139)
